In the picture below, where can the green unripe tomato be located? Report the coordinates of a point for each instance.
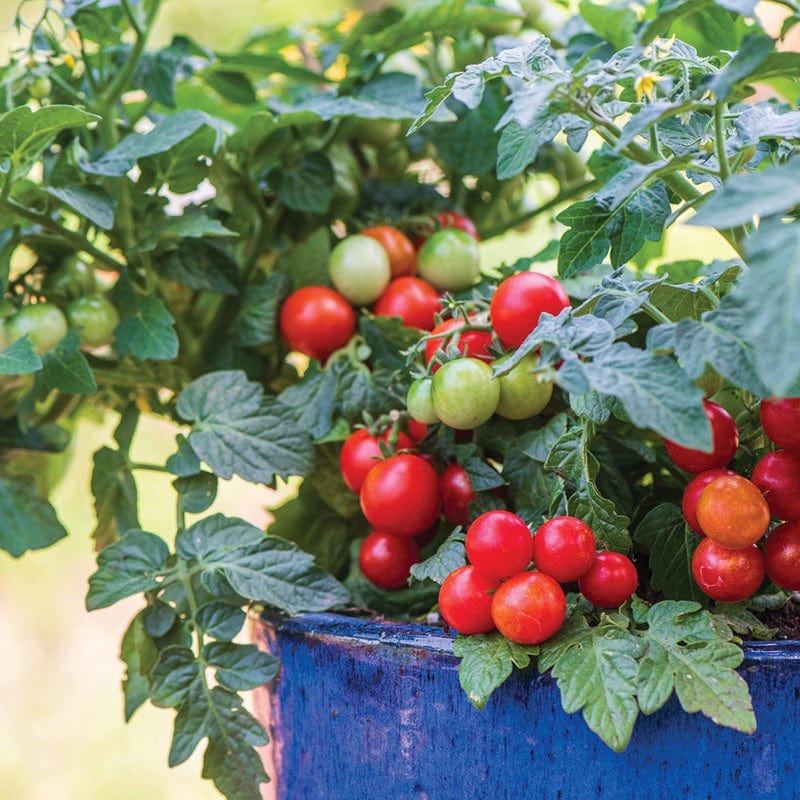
(359, 269)
(393, 160)
(95, 318)
(464, 393)
(43, 323)
(450, 260)
(40, 88)
(377, 132)
(74, 278)
(501, 22)
(524, 391)
(419, 401)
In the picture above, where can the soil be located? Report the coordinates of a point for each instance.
(785, 620)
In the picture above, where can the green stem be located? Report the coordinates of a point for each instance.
(656, 313)
(719, 141)
(147, 467)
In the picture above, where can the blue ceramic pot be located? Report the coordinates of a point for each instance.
(374, 710)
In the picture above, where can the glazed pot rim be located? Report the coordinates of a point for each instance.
(435, 639)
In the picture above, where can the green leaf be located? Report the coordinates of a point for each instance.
(158, 618)
(215, 537)
(237, 770)
(174, 676)
(450, 555)
(139, 654)
(751, 54)
(133, 564)
(306, 263)
(19, 358)
(601, 515)
(197, 492)
(150, 333)
(237, 431)
(115, 496)
(201, 264)
(220, 620)
(308, 186)
(684, 651)
(671, 545)
(66, 368)
(312, 401)
(233, 86)
(615, 24)
(487, 660)
(240, 666)
(257, 320)
(596, 670)
(27, 521)
(184, 461)
(188, 225)
(92, 202)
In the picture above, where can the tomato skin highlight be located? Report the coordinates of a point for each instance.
(401, 495)
(726, 575)
(691, 494)
(386, 560)
(610, 581)
(520, 300)
(499, 544)
(777, 475)
(732, 512)
(725, 438)
(529, 607)
(564, 548)
(399, 248)
(457, 494)
(780, 419)
(361, 451)
(782, 556)
(316, 320)
(412, 299)
(465, 601)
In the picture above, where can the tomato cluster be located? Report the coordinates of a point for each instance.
(513, 582)
(734, 513)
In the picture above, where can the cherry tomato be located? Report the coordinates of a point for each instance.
(316, 320)
(359, 269)
(450, 260)
(464, 394)
(392, 160)
(40, 88)
(44, 324)
(732, 512)
(725, 438)
(457, 494)
(377, 132)
(777, 475)
(94, 317)
(499, 544)
(474, 343)
(412, 299)
(465, 601)
(401, 495)
(361, 451)
(780, 418)
(416, 430)
(524, 390)
(520, 300)
(726, 575)
(419, 401)
(386, 560)
(399, 248)
(529, 607)
(564, 548)
(691, 494)
(782, 555)
(446, 219)
(611, 580)
(74, 278)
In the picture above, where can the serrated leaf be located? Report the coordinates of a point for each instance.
(240, 666)
(184, 461)
(24, 133)
(671, 545)
(237, 431)
(201, 265)
(66, 368)
(449, 556)
(752, 52)
(215, 537)
(197, 492)
(188, 225)
(150, 333)
(27, 521)
(176, 673)
(487, 660)
(134, 564)
(220, 620)
(312, 401)
(601, 515)
(115, 496)
(92, 202)
(19, 358)
(139, 653)
(257, 320)
(308, 186)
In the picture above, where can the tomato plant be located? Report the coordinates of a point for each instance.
(782, 556)
(777, 475)
(729, 576)
(691, 494)
(399, 248)
(732, 511)
(412, 299)
(94, 317)
(359, 269)
(564, 548)
(725, 440)
(499, 544)
(525, 390)
(465, 600)
(386, 560)
(610, 581)
(362, 450)
(458, 333)
(449, 259)
(457, 494)
(529, 607)
(780, 418)
(464, 393)
(43, 324)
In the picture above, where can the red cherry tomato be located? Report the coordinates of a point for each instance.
(412, 299)
(499, 544)
(416, 430)
(316, 320)
(361, 451)
(782, 554)
(386, 560)
(401, 495)
(529, 607)
(399, 248)
(611, 580)
(725, 437)
(474, 344)
(777, 475)
(465, 600)
(520, 300)
(729, 576)
(691, 494)
(780, 418)
(457, 494)
(446, 219)
(564, 548)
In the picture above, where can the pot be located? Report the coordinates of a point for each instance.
(373, 709)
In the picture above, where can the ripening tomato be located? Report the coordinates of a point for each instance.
(465, 600)
(473, 343)
(780, 419)
(95, 318)
(729, 576)
(777, 475)
(419, 401)
(416, 430)
(782, 555)
(412, 299)
(529, 607)
(386, 560)
(401, 495)
(725, 440)
(525, 390)
(361, 451)
(499, 544)
(564, 548)
(359, 269)
(401, 252)
(450, 260)
(732, 512)
(446, 219)
(43, 323)
(457, 494)
(520, 300)
(610, 581)
(464, 393)
(691, 494)
(316, 320)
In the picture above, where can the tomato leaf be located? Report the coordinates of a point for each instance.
(115, 496)
(93, 202)
(27, 522)
(257, 320)
(306, 263)
(66, 368)
(197, 492)
(449, 556)
(240, 666)
(202, 264)
(150, 333)
(139, 653)
(19, 358)
(306, 187)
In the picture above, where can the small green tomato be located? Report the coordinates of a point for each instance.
(464, 393)
(450, 260)
(419, 401)
(524, 390)
(95, 318)
(43, 323)
(359, 269)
